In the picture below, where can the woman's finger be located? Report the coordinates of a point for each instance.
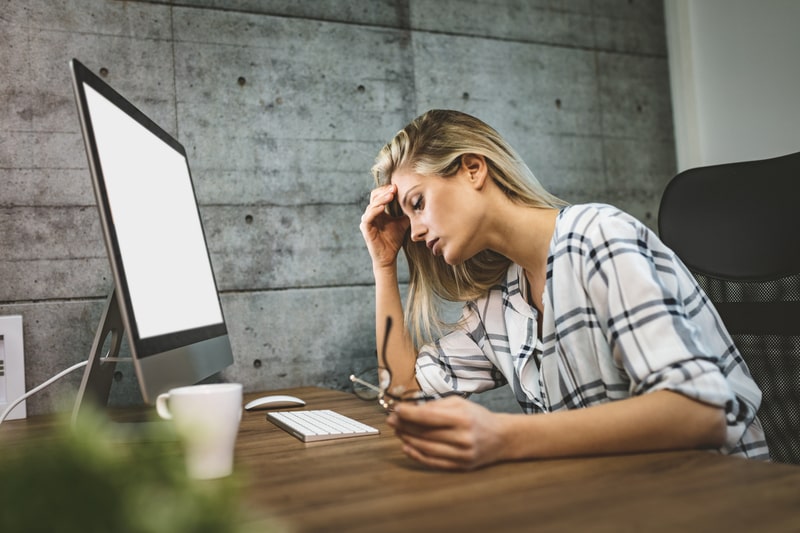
(382, 194)
(377, 204)
(372, 212)
(438, 457)
(435, 434)
(438, 413)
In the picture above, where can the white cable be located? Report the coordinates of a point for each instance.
(40, 387)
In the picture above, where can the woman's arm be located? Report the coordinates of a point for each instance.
(384, 236)
(457, 434)
(400, 353)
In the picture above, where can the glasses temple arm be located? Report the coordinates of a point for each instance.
(366, 384)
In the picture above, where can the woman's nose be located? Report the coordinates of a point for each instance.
(418, 231)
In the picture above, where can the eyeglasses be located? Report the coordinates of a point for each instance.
(365, 389)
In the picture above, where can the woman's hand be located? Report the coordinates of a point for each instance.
(383, 233)
(457, 434)
(451, 434)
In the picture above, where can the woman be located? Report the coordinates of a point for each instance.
(602, 334)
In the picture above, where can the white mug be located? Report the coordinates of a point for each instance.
(206, 419)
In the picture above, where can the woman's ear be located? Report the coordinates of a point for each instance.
(475, 167)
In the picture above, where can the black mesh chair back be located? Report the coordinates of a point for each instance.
(737, 228)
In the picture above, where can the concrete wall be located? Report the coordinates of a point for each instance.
(282, 106)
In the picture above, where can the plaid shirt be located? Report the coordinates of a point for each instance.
(622, 317)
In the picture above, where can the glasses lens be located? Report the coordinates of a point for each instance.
(361, 390)
(384, 378)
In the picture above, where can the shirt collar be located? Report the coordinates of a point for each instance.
(517, 287)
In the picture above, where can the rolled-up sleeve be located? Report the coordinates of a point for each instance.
(660, 326)
(458, 361)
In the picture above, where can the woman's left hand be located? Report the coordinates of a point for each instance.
(452, 433)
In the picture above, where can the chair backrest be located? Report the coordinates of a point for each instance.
(737, 228)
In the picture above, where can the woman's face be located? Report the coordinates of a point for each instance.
(445, 213)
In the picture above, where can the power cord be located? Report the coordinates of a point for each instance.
(40, 387)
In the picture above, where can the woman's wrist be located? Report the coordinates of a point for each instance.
(385, 271)
(518, 436)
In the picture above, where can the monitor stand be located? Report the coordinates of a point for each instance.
(99, 373)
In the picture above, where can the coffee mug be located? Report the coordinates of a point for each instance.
(206, 419)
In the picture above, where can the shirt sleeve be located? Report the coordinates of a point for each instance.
(659, 324)
(457, 362)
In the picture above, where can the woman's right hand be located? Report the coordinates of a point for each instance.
(383, 233)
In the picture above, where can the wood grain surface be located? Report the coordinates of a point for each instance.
(367, 484)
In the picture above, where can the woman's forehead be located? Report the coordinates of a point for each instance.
(406, 178)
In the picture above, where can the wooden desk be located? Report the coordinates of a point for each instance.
(367, 484)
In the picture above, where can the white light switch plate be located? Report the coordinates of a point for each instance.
(12, 365)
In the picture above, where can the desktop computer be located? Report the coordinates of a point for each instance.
(165, 299)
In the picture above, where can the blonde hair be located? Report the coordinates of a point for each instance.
(432, 144)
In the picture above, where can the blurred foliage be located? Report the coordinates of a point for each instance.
(97, 477)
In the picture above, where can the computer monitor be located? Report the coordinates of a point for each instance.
(165, 298)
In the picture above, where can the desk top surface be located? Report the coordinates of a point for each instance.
(367, 484)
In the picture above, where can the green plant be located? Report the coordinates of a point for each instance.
(90, 478)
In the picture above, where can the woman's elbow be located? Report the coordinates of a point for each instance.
(712, 427)
(704, 425)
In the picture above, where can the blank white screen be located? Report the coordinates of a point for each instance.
(158, 228)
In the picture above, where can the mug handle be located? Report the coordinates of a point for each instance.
(161, 406)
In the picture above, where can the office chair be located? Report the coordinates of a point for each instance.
(736, 227)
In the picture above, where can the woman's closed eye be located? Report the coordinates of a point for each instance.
(417, 203)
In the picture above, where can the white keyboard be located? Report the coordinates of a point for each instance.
(310, 426)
